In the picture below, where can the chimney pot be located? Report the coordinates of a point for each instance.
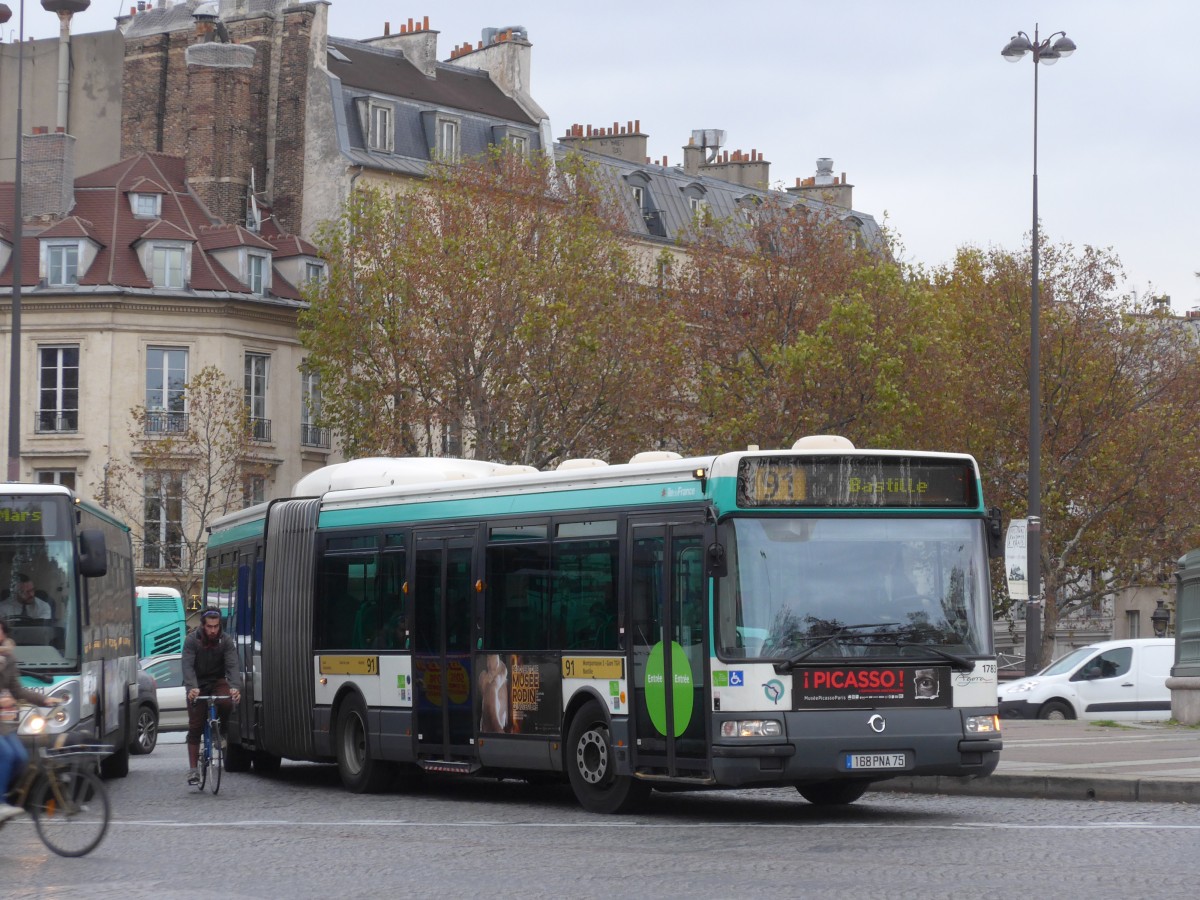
(425, 24)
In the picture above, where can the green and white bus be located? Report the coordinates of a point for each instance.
(162, 621)
(77, 641)
(817, 617)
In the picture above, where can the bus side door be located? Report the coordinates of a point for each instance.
(444, 625)
(667, 614)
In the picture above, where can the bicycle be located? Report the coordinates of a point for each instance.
(64, 795)
(211, 761)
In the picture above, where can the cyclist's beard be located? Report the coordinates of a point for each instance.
(209, 643)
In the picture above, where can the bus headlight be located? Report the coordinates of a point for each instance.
(752, 728)
(34, 723)
(982, 724)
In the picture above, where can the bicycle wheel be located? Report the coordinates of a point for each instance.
(70, 811)
(216, 759)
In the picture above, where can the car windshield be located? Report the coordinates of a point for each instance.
(820, 588)
(1067, 663)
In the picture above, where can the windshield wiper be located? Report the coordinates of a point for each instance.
(960, 663)
(839, 632)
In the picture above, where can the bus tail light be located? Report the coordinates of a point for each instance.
(983, 724)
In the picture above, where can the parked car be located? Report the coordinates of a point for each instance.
(1118, 680)
(146, 726)
(172, 699)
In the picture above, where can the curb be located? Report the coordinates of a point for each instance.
(1050, 787)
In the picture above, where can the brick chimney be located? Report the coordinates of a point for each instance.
(48, 174)
(506, 55)
(747, 169)
(825, 186)
(415, 40)
(626, 142)
(220, 129)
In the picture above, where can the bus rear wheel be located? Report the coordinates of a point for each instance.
(237, 757)
(592, 766)
(361, 773)
(833, 793)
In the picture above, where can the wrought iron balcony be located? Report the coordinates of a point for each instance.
(51, 421)
(163, 422)
(314, 436)
(260, 430)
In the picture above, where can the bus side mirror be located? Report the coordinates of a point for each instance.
(995, 533)
(717, 565)
(93, 557)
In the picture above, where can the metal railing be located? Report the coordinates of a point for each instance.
(314, 436)
(260, 430)
(163, 422)
(50, 422)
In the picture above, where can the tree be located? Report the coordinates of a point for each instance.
(494, 311)
(799, 331)
(1120, 416)
(189, 469)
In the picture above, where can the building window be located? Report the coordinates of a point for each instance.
(519, 144)
(697, 205)
(380, 135)
(62, 266)
(258, 274)
(258, 366)
(166, 399)
(311, 434)
(1133, 623)
(58, 388)
(168, 267)
(64, 477)
(314, 272)
(147, 206)
(639, 197)
(162, 534)
(448, 146)
(254, 490)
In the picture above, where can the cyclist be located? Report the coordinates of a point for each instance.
(210, 666)
(13, 755)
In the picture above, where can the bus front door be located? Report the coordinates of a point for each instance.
(443, 601)
(667, 611)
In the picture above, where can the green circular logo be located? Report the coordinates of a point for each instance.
(681, 690)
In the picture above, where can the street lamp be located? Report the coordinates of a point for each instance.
(14, 363)
(1049, 53)
(1160, 619)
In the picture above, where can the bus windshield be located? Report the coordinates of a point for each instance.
(37, 580)
(822, 588)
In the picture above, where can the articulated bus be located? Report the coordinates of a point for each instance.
(76, 642)
(817, 617)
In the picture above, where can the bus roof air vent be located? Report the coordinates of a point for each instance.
(647, 456)
(823, 442)
(581, 464)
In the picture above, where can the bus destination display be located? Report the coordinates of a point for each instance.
(848, 482)
(29, 515)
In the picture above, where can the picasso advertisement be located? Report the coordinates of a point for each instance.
(519, 694)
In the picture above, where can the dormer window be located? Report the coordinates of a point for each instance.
(380, 135)
(314, 272)
(167, 265)
(257, 269)
(448, 145)
(639, 196)
(62, 263)
(146, 206)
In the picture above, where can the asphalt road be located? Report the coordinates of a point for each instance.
(299, 835)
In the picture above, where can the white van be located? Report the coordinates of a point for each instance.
(1118, 680)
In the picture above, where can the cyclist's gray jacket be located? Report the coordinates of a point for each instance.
(202, 667)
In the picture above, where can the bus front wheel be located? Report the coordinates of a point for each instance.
(361, 773)
(592, 766)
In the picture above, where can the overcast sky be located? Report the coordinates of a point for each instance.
(910, 98)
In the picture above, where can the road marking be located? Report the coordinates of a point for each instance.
(658, 826)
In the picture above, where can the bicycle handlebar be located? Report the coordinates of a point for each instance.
(212, 697)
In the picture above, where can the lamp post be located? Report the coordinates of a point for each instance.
(14, 370)
(1043, 51)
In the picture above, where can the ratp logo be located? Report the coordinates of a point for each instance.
(774, 690)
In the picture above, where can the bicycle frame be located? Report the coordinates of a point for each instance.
(65, 797)
(211, 761)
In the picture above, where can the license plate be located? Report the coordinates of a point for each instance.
(875, 761)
